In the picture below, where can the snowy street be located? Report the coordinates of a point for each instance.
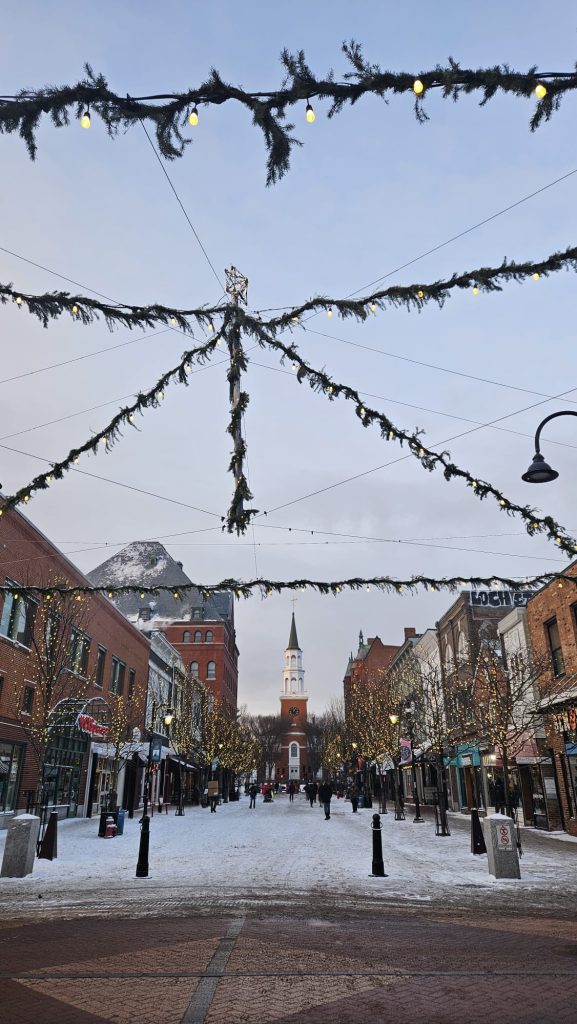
(281, 853)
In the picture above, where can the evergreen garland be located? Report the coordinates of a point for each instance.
(169, 112)
(52, 305)
(238, 517)
(266, 587)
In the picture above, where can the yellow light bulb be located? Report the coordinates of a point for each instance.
(373, 307)
(536, 276)
(161, 394)
(420, 294)
(418, 87)
(18, 300)
(310, 114)
(76, 461)
(142, 595)
(85, 119)
(130, 418)
(193, 117)
(75, 309)
(329, 312)
(48, 479)
(362, 411)
(110, 593)
(211, 326)
(26, 497)
(475, 289)
(173, 319)
(294, 320)
(540, 91)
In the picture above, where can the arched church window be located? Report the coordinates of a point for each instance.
(293, 686)
(208, 636)
(194, 669)
(293, 660)
(186, 637)
(294, 750)
(198, 637)
(211, 670)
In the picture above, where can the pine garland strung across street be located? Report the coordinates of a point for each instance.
(53, 305)
(320, 381)
(238, 518)
(111, 433)
(266, 587)
(170, 113)
(413, 296)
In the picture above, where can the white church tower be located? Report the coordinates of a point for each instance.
(293, 709)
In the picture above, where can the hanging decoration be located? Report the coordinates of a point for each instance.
(171, 113)
(265, 587)
(412, 297)
(238, 518)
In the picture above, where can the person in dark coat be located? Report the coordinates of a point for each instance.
(325, 795)
(311, 793)
(291, 791)
(252, 793)
(353, 795)
(499, 797)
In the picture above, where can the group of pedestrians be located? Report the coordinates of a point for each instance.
(313, 790)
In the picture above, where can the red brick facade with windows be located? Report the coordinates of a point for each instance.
(208, 649)
(370, 663)
(552, 622)
(28, 557)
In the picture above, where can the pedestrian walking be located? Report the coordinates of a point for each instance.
(291, 791)
(252, 793)
(325, 795)
(499, 797)
(213, 802)
(311, 793)
(353, 795)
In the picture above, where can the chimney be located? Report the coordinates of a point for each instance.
(409, 632)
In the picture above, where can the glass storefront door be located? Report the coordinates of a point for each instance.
(10, 764)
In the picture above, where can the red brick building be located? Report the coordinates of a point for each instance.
(370, 663)
(207, 646)
(101, 656)
(294, 766)
(552, 623)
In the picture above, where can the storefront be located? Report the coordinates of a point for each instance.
(465, 778)
(11, 758)
(72, 724)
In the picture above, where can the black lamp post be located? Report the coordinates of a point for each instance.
(539, 471)
(142, 863)
(399, 812)
(409, 715)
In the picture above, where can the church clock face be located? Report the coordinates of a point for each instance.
(293, 711)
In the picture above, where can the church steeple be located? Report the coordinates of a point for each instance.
(293, 644)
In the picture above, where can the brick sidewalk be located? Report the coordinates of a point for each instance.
(440, 968)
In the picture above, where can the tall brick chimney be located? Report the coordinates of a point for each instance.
(410, 631)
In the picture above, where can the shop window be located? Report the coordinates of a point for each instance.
(10, 762)
(131, 683)
(100, 663)
(194, 669)
(17, 619)
(555, 647)
(211, 670)
(186, 637)
(117, 677)
(198, 637)
(78, 652)
(27, 700)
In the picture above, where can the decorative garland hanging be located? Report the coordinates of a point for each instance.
(173, 112)
(52, 305)
(266, 587)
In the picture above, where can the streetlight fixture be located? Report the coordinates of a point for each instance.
(399, 812)
(539, 471)
(409, 715)
(142, 863)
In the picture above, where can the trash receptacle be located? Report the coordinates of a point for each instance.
(120, 822)
(361, 802)
(102, 825)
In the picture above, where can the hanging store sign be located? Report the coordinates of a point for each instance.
(88, 724)
(500, 598)
(406, 754)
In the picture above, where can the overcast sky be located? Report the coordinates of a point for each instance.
(370, 190)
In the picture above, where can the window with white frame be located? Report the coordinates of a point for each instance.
(18, 614)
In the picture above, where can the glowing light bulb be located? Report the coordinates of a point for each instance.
(329, 312)
(418, 87)
(18, 300)
(362, 411)
(475, 289)
(76, 461)
(540, 91)
(85, 119)
(141, 594)
(310, 114)
(26, 497)
(421, 452)
(161, 394)
(502, 502)
(75, 309)
(79, 597)
(175, 595)
(49, 479)
(173, 320)
(110, 593)
(211, 326)
(193, 117)
(373, 307)
(294, 319)
(560, 583)
(474, 484)
(536, 276)
(331, 389)
(130, 418)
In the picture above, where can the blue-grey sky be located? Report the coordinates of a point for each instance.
(370, 190)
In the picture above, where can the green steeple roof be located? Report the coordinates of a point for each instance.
(293, 644)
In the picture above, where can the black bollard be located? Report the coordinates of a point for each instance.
(378, 863)
(48, 846)
(477, 837)
(142, 864)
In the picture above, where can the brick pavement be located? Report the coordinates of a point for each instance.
(440, 967)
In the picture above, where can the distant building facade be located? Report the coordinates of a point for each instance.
(293, 766)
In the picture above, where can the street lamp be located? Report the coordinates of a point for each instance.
(142, 863)
(399, 813)
(409, 715)
(539, 471)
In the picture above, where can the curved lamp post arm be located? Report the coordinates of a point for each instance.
(547, 419)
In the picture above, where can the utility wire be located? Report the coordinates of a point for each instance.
(180, 203)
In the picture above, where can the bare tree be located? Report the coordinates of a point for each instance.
(268, 732)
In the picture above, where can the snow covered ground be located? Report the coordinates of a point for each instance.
(283, 848)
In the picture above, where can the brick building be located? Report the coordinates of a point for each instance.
(98, 655)
(202, 631)
(369, 664)
(552, 623)
(293, 765)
